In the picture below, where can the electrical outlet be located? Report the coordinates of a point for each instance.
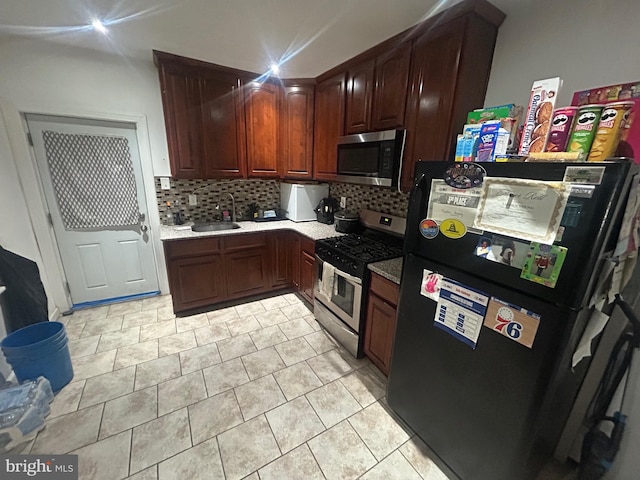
(165, 184)
(193, 200)
(343, 202)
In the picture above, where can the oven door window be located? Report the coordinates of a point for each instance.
(343, 295)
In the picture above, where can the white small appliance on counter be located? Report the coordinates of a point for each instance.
(298, 201)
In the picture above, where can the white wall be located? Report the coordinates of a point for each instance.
(16, 232)
(587, 44)
(45, 77)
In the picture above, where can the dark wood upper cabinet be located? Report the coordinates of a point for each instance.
(222, 124)
(296, 128)
(223, 120)
(448, 78)
(262, 114)
(181, 101)
(359, 97)
(328, 126)
(390, 88)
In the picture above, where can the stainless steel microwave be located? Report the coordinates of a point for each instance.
(373, 158)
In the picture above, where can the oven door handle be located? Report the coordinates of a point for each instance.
(340, 273)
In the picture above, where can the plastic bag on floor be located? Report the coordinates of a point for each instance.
(23, 409)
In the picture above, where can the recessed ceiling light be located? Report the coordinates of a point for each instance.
(98, 26)
(275, 69)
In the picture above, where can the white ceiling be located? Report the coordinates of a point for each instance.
(316, 35)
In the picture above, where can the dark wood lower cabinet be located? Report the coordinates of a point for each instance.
(280, 244)
(196, 281)
(211, 270)
(381, 322)
(246, 273)
(307, 276)
(296, 260)
(307, 268)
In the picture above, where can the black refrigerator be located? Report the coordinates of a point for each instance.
(493, 408)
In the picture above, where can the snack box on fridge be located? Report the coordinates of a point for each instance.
(491, 113)
(538, 117)
(493, 140)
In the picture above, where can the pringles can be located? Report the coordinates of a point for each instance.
(561, 125)
(584, 129)
(612, 122)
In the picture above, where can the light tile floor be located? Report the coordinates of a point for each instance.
(254, 391)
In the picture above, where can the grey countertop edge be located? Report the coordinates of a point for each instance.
(389, 269)
(314, 230)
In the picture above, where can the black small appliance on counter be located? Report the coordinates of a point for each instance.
(347, 222)
(325, 210)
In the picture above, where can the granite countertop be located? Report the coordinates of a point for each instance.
(314, 230)
(389, 269)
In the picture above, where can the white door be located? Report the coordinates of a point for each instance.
(92, 179)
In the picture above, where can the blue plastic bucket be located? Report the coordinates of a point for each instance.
(37, 350)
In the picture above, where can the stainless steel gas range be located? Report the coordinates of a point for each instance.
(342, 277)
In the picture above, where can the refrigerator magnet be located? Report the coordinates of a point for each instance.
(452, 228)
(430, 286)
(429, 228)
(465, 175)
(543, 264)
(516, 323)
(460, 311)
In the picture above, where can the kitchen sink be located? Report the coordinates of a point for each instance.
(214, 227)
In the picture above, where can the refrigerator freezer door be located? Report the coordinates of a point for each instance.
(493, 412)
(588, 225)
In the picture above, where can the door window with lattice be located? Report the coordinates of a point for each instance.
(93, 180)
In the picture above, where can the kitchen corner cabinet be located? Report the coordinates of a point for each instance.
(296, 128)
(328, 126)
(449, 74)
(381, 321)
(180, 91)
(210, 270)
(262, 120)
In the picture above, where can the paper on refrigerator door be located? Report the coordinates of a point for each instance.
(595, 326)
(460, 311)
(455, 203)
(628, 236)
(526, 209)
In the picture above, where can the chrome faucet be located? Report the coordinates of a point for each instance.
(233, 205)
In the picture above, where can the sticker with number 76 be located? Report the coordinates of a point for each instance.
(514, 322)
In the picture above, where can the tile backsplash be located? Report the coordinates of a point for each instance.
(385, 200)
(266, 193)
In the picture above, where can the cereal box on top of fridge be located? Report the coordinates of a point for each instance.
(538, 116)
